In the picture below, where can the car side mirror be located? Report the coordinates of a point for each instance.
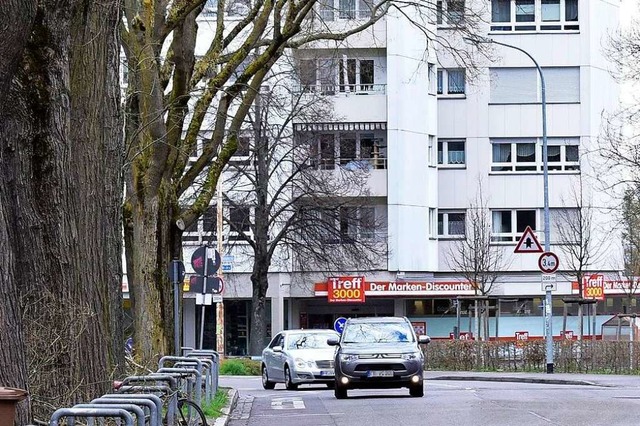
(333, 341)
(423, 340)
(277, 349)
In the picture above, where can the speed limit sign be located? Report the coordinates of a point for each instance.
(548, 262)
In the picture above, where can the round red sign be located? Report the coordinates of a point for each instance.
(548, 262)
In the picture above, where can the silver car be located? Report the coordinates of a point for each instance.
(294, 357)
(379, 352)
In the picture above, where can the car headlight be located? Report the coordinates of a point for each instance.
(411, 356)
(301, 363)
(348, 357)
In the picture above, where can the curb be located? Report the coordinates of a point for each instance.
(519, 380)
(223, 420)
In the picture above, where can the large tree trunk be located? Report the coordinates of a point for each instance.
(260, 282)
(61, 146)
(149, 245)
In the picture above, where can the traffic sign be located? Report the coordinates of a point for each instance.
(215, 285)
(549, 282)
(593, 287)
(197, 260)
(528, 242)
(176, 271)
(339, 323)
(548, 262)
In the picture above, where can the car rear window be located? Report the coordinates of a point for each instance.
(377, 332)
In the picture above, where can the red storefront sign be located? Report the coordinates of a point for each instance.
(593, 287)
(345, 290)
(410, 289)
(522, 335)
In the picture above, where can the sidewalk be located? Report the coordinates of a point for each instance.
(607, 380)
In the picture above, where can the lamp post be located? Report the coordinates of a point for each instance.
(545, 174)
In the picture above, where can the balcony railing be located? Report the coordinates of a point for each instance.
(344, 89)
(378, 163)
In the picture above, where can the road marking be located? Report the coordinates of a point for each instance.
(541, 417)
(287, 404)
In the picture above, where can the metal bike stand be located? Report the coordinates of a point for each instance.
(131, 408)
(154, 399)
(97, 412)
(178, 360)
(146, 404)
(207, 371)
(215, 359)
(187, 373)
(167, 390)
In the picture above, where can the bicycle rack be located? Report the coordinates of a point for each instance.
(157, 377)
(187, 373)
(188, 362)
(97, 412)
(155, 413)
(207, 371)
(135, 397)
(131, 408)
(215, 359)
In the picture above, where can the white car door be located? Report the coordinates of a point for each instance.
(272, 359)
(278, 360)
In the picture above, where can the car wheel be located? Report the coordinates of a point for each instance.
(287, 379)
(339, 392)
(417, 391)
(331, 385)
(266, 383)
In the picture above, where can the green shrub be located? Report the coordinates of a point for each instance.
(240, 367)
(232, 367)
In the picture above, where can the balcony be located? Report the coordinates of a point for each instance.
(353, 102)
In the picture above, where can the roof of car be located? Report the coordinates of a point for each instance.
(309, 330)
(378, 319)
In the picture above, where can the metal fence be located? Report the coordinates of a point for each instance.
(570, 356)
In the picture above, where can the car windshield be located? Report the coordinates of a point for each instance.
(377, 332)
(308, 340)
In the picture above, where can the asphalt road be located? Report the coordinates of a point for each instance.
(446, 402)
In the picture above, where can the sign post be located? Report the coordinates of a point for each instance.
(176, 274)
(205, 267)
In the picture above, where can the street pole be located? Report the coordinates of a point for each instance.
(219, 305)
(176, 309)
(545, 175)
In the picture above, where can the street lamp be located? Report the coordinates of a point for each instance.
(545, 174)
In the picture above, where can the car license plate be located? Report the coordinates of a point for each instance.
(381, 373)
(326, 372)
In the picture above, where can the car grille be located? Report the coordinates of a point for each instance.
(379, 367)
(379, 356)
(325, 364)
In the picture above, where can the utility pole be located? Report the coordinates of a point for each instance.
(220, 305)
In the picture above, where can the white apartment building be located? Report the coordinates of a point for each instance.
(441, 137)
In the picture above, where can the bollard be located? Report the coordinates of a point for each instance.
(9, 398)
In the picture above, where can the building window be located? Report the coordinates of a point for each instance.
(351, 150)
(348, 224)
(451, 224)
(432, 79)
(522, 85)
(508, 225)
(203, 229)
(238, 7)
(433, 229)
(451, 81)
(525, 155)
(345, 9)
(534, 15)
(240, 219)
(449, 12)
(431, 155)
(451, 152)
(329, 76)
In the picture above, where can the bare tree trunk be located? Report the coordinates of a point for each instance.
(581, 320)
(476, 307)
(564, 319)
(60, 139)
(260, 281)
(147, 246)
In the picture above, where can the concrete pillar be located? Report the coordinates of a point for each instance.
(399, 307)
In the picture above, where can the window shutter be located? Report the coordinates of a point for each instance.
(513, 85)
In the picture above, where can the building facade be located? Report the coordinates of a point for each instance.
(442, 138)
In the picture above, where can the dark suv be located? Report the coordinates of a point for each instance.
(378, 352)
